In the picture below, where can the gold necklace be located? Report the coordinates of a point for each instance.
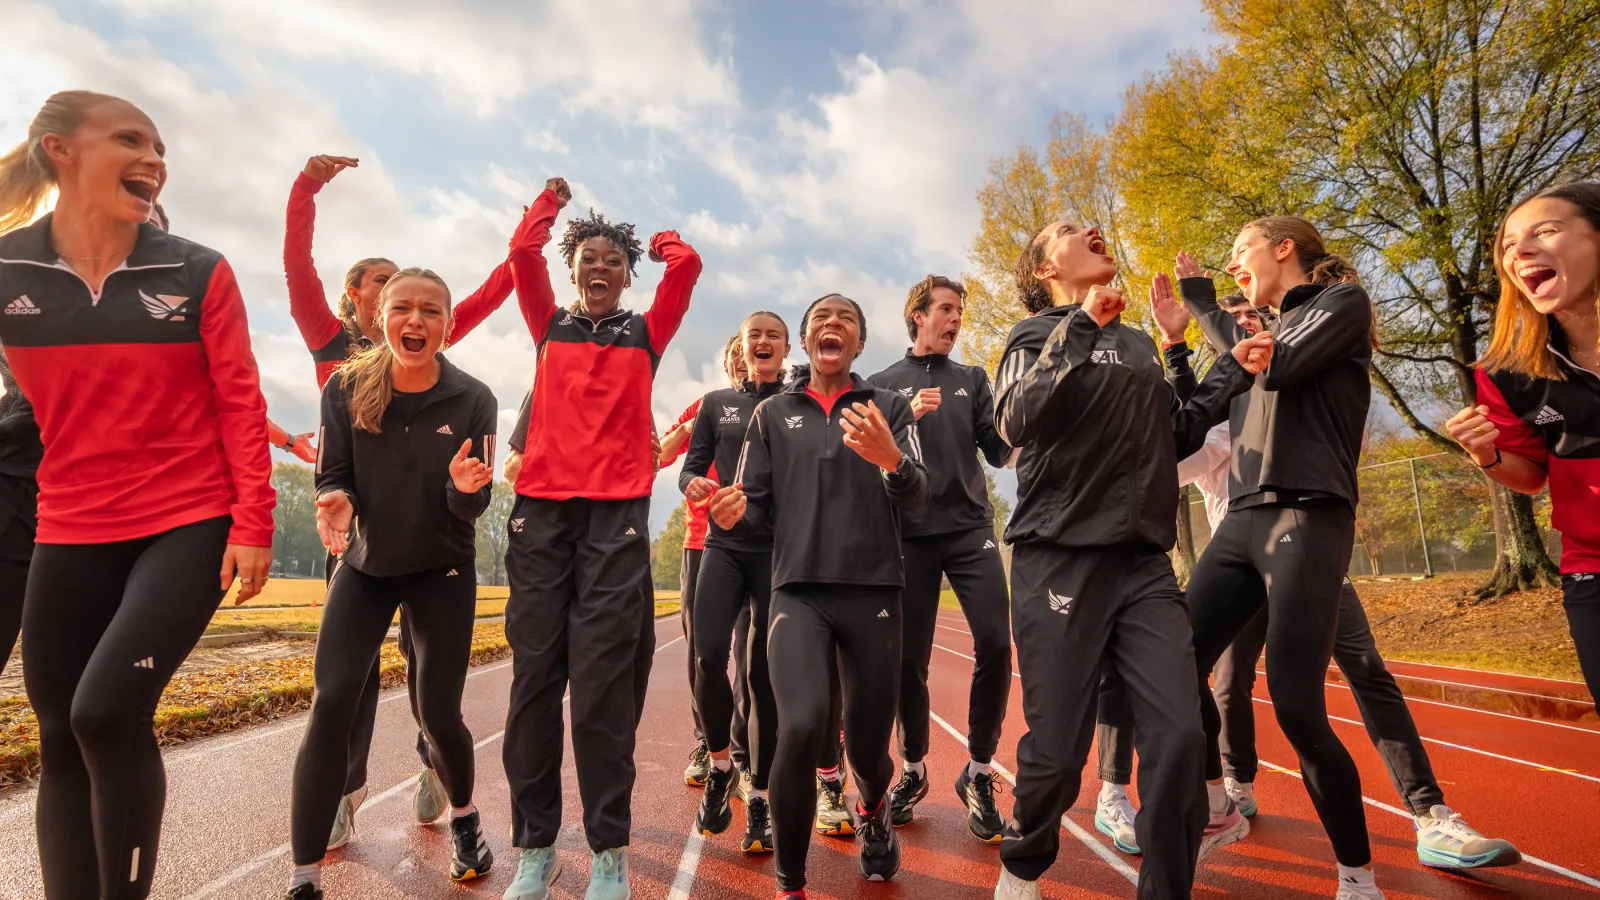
(97, 258)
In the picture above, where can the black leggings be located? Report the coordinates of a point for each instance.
(108, 625)
(1580, 597)
(730, 581)
(1293, 559)
(360, 607)
(811, 625)
(367, 713)
(688, 581)
(19, 501)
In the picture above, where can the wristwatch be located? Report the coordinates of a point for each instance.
(288, 443)
(901, 468)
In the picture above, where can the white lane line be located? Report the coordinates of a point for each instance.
(1105, 853)
(688, 865)
(1014, 673)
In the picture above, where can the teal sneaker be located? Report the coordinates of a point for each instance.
(1446, 841)
(1113, 817)
(536, 871)
(608, 876)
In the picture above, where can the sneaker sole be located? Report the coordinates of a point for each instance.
(712, 829)
(545, 894)
(1110, 832)
(1249, 812)
(473, 873)
(695, 780)
(1491, 860)
(756, 847)
(843, 829)
(988, 837)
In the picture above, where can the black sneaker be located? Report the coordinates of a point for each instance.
(905, 795)
(471, 857)
(880, 849)
(716, 807)
(983, 818)
(757, 826)
(306, 891)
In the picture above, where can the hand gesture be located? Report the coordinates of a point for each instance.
(469, 474)
(654, 256)
(926, 401)
(1472, 429)
(324, 167)
(1169, 314)
(302, 447)
(727, 506)
(251, 564)
(559, 187)
(1254, 353)
(700, 490)
(334, 513)
(1187, 268)
(1104, 304)
(867, 432)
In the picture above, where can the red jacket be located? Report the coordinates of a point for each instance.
(698, 514)
(323, 331)
(590, 435)
(147, 395)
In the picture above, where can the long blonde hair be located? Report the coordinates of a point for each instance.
(369, 376)
(26, 174)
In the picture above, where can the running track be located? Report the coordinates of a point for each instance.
(228, 805)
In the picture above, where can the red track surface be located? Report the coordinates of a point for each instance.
(227, 814)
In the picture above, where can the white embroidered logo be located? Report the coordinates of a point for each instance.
(883, 614)
(516, 525)
(149, 662)
(962, 392)
(1111, 357)
(630, 531)
(22, 306)
(1548, 415)
(730, 415)
(988, 545)
(794, 421)
(908, 391)
(1286, 539)
(163, 306)
(1059, 603)
(445, 429)
(452, 573)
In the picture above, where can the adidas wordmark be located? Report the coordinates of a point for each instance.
(1545, 416)
(22, 306)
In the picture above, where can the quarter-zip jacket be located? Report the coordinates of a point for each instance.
(1557, 425)
(147, 396)
(1297, 433)
(590, 435)
(1100, 430)
(409, 515)
(951, 438)
(323, 331)
(20, 449)
(720, 426)
(834, 517)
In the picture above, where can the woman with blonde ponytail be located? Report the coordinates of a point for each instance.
(133, 348)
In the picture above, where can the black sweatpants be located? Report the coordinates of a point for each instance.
(576, 569)
(1580, 597)
(1292, 559)
(19, 505)
(360, 607)
(971, 560)
(1383, 707)
(367, 712)
(108, 625)
(732, 580)
(811, 625)
(1113, 731)
(1075, 613)
(688, 582)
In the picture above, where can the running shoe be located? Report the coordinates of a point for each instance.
(1243, 795)
(905, 795)
(1010, 887)
(471, 858)
(699, 768)
(716, 807)
(1446, 841)
(746, 785)
(1114, 817)
(757, 827)
(537, 870)
(983, 819)
(1228, 827)
(608, 876)
(1348, 891)
(344, 824)
(305, 891)
(430, 801)
(833, 815)
(880, 849)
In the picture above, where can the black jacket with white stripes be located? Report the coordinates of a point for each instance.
(834, 517)
(717, 441)
(1100, 431)
(1297, 433)
(409, 515)
(951, 436)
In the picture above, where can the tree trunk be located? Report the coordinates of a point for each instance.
(1183, 557)
(1521, 562)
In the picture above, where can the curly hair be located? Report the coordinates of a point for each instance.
(921, 297)
(1033, 293)
(620, 234)
(860, 316)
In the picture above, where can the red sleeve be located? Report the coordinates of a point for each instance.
(482, 303)
(688, 414)
(241, 410)
(672, 295)
(1516, 436)
(308, 302)
(530, 272)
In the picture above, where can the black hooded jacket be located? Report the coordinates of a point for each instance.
(718, 439)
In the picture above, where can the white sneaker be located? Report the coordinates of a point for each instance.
(1243, 795)
(429, 802)
(1225, 828)
(608, 876)
(1113, 817)
(1011, 887)
(1446, 841)
(537, 870)
(1348, 891)
(344, 824)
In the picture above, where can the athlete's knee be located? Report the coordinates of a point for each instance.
(711, 662)
(1364, 667)
(992, 647)
(101, 722)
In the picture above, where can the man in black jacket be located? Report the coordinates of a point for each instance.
(952, 536)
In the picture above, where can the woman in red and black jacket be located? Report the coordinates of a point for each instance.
(133, 348)
(579, 536)
(1538, 418)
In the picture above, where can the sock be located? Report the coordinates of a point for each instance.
(311, 875)
(1356, 876)
(463, 812)
(862, 809)
(1112, 792)
(918, 769)
(358, 797)
(723, 764)
(829, 774)
(1218, 797)
(756, 795)
(975, 768)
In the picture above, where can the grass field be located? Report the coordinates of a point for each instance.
(310, 591)
(233, 620)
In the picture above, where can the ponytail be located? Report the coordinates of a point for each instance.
(26, 175)
(368, 376)
(1318, 265)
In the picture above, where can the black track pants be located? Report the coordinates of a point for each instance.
(731, 581)
(576, 569)
(971, 560)
(360, 607)
(107, 626)
(1383, 707)
(1293, 560)
(688, 581)
(811, 624)
(19, 502)
(644, 655)
(1076, 613)
(1114, 731)
(1580, 597)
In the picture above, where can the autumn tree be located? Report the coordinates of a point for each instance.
(493, 538)
(666, 552)
(296, 548)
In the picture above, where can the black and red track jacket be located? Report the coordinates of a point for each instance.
(590, 434)
(147, 395)
(323, 331)
(1556, 424)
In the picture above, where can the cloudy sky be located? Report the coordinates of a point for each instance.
(802, 148)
